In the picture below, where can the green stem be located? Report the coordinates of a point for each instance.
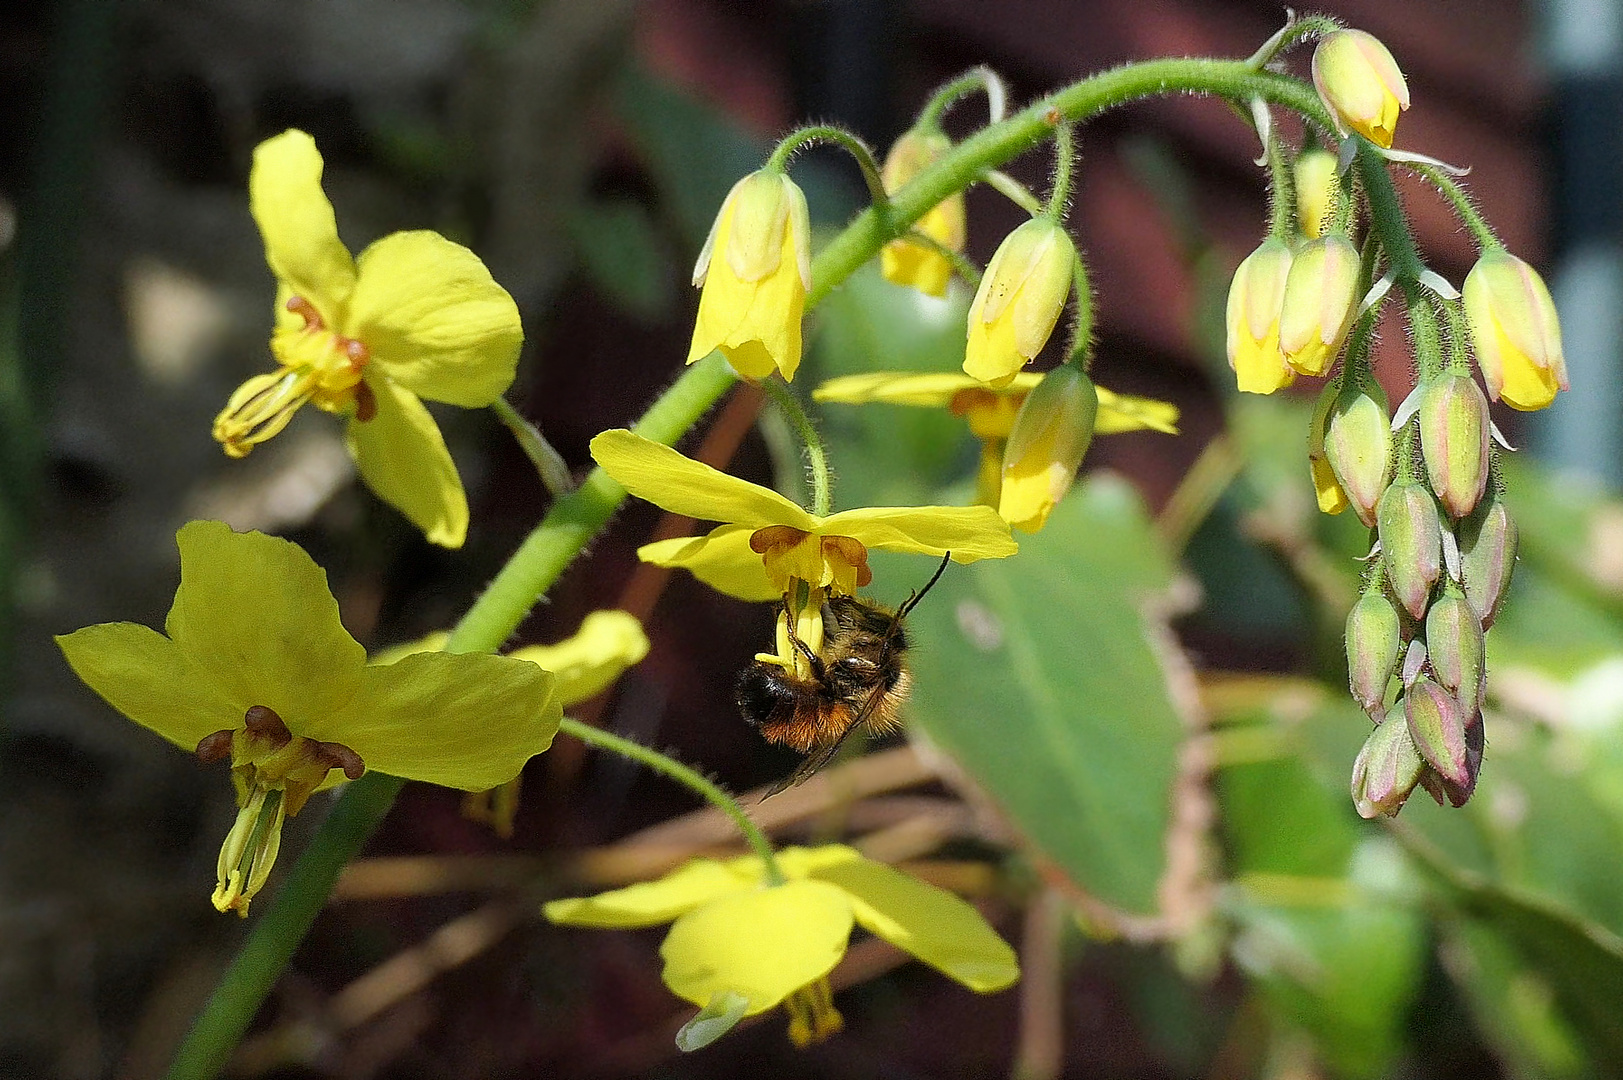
(1310, 26)
(574, 519)
(1428, 338)
(827, 133)
(981, 78)
(547, 461)
(1281, 204)
(806, 431)
(1081, 349)
(682, 774)
(962, 265)
(1064, 156)
(1459, 361)
(1386, 214)
(1460, 199)
(1014, 191)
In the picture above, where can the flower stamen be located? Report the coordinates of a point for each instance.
(812, 1015)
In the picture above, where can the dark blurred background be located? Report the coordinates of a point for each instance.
(581, 149)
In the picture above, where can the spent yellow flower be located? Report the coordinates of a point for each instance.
(908, 262)
(741, 945)
(255, 665)
(755, 269)
(1019, 300)
(1256, 297)
(416, 316)
(1514, 331)
(1360, 84)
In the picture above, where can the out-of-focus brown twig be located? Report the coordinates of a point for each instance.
(1040, 1052)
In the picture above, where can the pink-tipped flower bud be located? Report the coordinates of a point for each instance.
(1256, 296)
(1440, 787)
(1386, 770)
(1358, 444)
(1316, 182)
(1360, 84)
(1454, 429)
(1321, 297)
(1487, 557)
(1049, 438)
(1374, 647)
(1515, 331)
(1455, 647)
(1411, 543)
(1437, 726)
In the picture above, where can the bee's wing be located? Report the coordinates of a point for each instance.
(823, 754)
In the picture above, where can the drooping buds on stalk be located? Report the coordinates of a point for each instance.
(1437, 726)
(1256, 296)
(1358, 444)
(1321, 297)
(1316, 182)
(1411, 542)
(1386, 770)
(1454, 428)
(1019, 300)
(1360, 84)
(1374, 646)
(1487, 557)
(1454, 646)
(1049, 438)
(1515, 331)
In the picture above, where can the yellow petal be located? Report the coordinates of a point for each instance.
(722, 560)
(296, 221)
(650, 903)
(1124, 412)
(930, 923)
(434, 642)
(254, 612)
(969, 532)
(462, 720)
(934, 389)
(434, 320)
(683, 486)
(763, 944)
(146, 677)
(587, 663)
(403, 459)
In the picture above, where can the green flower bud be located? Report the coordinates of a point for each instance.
(1358, 443)
(1321, 296)
(1411, 542)
(1487, 557)
(1386, 770)
(1437, 726)
(1454, 439)
(1443, 789)
(1374, 646)
(1455, 647)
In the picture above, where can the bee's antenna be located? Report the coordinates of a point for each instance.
(913, 600)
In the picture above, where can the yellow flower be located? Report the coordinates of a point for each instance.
(1019, 300)
(255, 665)
(1515, 331)
(906, 262)
(755, 269)
(1326, 488)
(1050, 437)
(1316, 182)
(740, 945)
(1321, 297)
(416, 316)
(1360, 84)
(1255, 298)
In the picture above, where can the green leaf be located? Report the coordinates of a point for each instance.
(1038, 675)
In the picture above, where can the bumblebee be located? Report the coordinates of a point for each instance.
(860, 677)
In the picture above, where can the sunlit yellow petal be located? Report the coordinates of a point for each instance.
(969, 532)
(462, 720)
(255, 613)
(681, 485)
(764, 944)
(296, 221)
(1124, 412)
(587, 662)
(434, 642)
(650, 903)
(146, 677)
(722, 560)
(930, 923)
(403, 459)
(434, 320)
(934, 389)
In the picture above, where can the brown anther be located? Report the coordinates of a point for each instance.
(366, 403)
(775, 536)
(974, 398)
(263, 723)
(359, 355)
(212, 748)
(338, 756)
(303, 308)
(849, 550)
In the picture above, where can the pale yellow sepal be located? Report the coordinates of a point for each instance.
(1019, 300)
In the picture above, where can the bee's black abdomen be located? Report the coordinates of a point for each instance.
(762, 692)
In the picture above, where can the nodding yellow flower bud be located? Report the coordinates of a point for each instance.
(1454, 440)
(755, 269)
(1386, 770)
(1515, 331)
(1321, 297)
(1487, 557)
(1316, 183)
(1326, 488)
(1019, 301)
(1255, 298)
(1374, 644)
(906, 262)
(1411, 542)
(1358, 446)
(1050, 436)
(1360, 84)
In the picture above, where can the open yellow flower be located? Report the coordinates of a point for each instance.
(255, 665)
(416, 316)
(738, 939)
